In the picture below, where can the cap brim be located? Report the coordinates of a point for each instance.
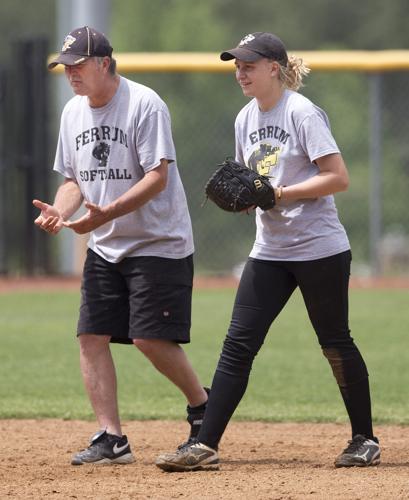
(240, 53)
(68, 60)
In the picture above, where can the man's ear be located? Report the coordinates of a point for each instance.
(106, 61)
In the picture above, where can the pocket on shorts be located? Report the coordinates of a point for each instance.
(162, 311)
(173, 304)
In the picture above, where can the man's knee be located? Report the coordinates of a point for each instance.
(148, 346)
(92, 343)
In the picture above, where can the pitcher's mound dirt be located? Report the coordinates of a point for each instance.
(259, 461)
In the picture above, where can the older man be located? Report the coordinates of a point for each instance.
(116, 154)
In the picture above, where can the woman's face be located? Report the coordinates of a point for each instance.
(257, 79)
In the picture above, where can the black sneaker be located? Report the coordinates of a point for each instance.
(190, 458)
(195, 418)
(105, 448)
(360, 452)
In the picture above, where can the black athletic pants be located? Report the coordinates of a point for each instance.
(264, 289)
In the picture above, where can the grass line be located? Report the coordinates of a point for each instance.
(290, 381)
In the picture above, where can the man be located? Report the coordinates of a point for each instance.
(116, 153)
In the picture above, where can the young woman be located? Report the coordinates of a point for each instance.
(299, 243)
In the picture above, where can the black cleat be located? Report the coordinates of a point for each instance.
(360, 452)
(105, 448)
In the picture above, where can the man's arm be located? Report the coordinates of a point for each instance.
(147, 188)
(67, 201)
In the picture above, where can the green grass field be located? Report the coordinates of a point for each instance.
(291, 380)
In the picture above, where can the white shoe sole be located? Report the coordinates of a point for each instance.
(128, 458)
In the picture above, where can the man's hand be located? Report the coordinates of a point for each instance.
(50, 219)
(95, 217)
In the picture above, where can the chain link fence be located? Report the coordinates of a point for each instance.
(368, 114)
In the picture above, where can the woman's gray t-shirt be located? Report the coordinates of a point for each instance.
(283, 144)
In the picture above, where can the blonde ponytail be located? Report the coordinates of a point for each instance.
(292, 74)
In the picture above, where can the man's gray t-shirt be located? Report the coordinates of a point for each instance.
(107, 150)
(283, 143)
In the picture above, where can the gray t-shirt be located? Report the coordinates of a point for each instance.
(283, 143)
(108, 150)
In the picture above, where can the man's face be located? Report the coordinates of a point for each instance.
(86, 78)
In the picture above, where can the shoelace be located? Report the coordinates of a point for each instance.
(188, 443)
(354, 444)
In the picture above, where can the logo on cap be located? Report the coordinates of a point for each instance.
(246, 39)
(68, 41)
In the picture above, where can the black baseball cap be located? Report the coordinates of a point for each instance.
(254, 46)
(80, 45)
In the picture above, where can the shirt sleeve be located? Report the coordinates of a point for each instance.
(239, 149)
(154, 139)
(315, 136)
(62, 162)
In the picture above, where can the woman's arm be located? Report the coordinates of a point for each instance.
(332, 178)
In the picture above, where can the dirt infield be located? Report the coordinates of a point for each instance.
(259, 461)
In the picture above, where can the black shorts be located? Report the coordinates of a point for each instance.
(137, 298)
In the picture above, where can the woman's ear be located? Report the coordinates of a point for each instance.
(275, 68)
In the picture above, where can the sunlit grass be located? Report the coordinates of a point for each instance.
(291, 380)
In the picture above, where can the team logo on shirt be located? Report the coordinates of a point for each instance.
(101, 133)
(101, 153)
(269, 132)
(101, 139)
(264, 159)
